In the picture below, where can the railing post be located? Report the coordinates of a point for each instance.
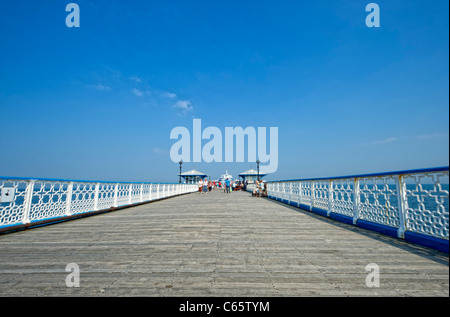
(27, 202)
(299, 193)
(157, 191)
(141, 198)
(150, 192)
(330, 197)
(69, 198)
(130, 189)
(116, 194)
(290, 193)
(278, 190)
(286, 191)
(312, 195)
(356, 200)
(96, 197)
(402, 206)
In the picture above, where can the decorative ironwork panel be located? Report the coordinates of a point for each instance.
(154, 189)
(427, 207)
(285, 190)
(83, 198)
(135, 193)
(378, 200)
(277, 191)
(306, 193)
(12, 212)
(146, 188)
(295, 191)
(105, 196)
(49, 200)
(123, 194)
(342, 200)
(321, 194)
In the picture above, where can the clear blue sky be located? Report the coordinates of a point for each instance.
(98, 102)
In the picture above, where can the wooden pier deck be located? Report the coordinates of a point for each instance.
(215, 244)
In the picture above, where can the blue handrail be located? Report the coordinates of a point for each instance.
(76, 180)
(413, 171)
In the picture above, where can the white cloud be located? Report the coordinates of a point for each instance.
(101, 87)
(157, 150)
(169, 95)
(136, 79)
(388, 140)
(139, 92)
(184, 105)
(384, 141)
(431, 135)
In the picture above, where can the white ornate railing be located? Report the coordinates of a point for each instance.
(412, 205)
(28, 202)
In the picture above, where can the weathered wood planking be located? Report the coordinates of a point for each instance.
(215, 244)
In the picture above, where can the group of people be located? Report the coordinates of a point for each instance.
(229, 186)
(205, 186)
(260, 189)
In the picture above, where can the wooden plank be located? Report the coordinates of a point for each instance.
(215, 244)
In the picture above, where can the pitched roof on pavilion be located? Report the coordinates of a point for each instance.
(251, 172)
(193, 173)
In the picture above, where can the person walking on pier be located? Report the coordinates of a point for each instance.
(227, 185)
(205, 186)
(200, 186)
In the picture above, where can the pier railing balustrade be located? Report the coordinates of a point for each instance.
(27, 202)
(412, 204)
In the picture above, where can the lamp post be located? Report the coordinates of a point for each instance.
(181, 163)
(257, 166)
